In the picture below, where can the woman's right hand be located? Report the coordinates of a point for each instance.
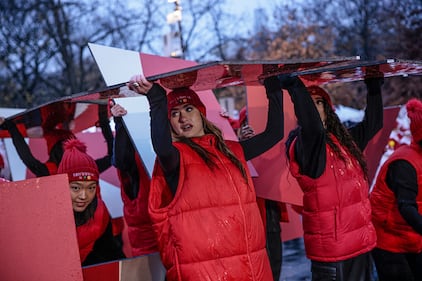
(118, 111)
(246, 132)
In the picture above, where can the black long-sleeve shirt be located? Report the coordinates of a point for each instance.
(124, 158)
(104, 162)
(105, 249)
(402, 180)
(123, 151)
(168, 155)
(310, 147)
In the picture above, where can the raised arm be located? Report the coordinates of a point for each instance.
(168, 155)
(372, 122)
(124, 155)
(274, 130)
(104, 162)
(123, 151)
(310, 150)
(38, 168)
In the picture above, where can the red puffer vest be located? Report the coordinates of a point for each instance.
(89, 232)
(141, 235)
(394, 234)
(336, 209)
(211, 229)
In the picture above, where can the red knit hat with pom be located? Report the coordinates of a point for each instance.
(318, 91)
(181, 96)
(76, 163)
(414, 112)
(55, 135)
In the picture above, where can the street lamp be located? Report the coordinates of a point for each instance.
(174, 18)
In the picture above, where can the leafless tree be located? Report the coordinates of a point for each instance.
(327, 28)
(44, 52)
(209, 31)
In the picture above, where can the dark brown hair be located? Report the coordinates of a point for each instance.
(210, 128)
(335, 127)
(83, 217)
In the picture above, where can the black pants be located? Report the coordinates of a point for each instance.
(396, 266)
(274, 244)
(354, 269)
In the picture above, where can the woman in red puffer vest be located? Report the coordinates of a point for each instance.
(326, 159)
(397, 207)
(93, 222)
(202, 200)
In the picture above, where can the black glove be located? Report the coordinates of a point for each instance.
(272, 84)
(7, 124)
(373, 77)
(288, 81)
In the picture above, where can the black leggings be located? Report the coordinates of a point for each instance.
(396, 266)
(354, 269)
(274, 243)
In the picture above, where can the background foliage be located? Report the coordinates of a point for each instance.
(44, 53)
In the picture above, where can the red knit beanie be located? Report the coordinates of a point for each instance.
(414, 112)
(78, 165)
(181, 96)
(55, 135)
(318, 91)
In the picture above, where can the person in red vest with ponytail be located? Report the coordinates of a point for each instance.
(92, 218)
(202, 200)
(397, 207)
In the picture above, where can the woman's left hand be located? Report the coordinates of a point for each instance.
(139, 84)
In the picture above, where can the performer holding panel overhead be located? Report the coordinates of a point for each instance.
(328, 163)
(202, 200)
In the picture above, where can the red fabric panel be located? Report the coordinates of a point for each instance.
(274, 181)
(292, 229)
(38, 234)
(104, 272)
(376, 146)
